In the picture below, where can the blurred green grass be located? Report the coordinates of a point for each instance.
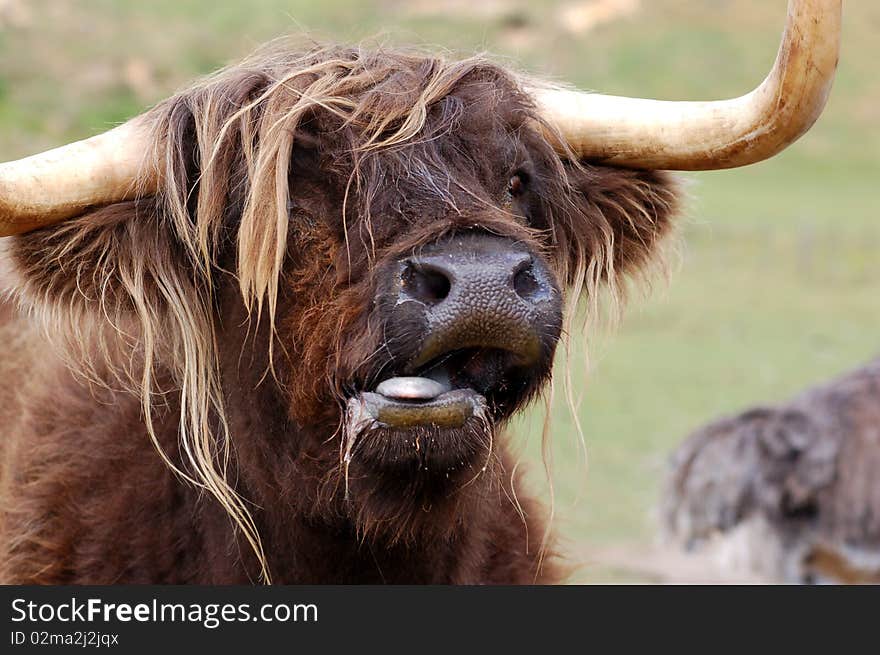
(777, 282)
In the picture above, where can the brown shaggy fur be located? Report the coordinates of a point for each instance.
(228, 318)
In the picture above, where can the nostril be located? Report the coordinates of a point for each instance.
(525, 283)
(425, 283)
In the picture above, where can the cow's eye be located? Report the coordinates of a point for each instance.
(516, 185)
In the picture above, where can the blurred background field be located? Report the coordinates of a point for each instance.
(776, 284)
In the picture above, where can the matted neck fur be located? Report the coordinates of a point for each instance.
(314, 237)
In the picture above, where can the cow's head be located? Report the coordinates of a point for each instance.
(407, 230)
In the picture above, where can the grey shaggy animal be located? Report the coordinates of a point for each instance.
(797, 484)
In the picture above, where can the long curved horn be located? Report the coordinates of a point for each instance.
(62, 183)
(639, 133)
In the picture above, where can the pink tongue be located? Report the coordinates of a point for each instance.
(411, 388)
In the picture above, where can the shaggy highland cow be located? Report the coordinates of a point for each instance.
(294, 306)
(795, 488)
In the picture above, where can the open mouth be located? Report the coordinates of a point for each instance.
(444, 393)
(406, 402)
